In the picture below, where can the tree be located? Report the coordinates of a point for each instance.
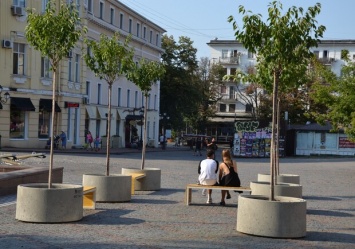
(54, 33)
(109, 58)
(282, 45)
(144, 75)
(338, 96)
(179, 88)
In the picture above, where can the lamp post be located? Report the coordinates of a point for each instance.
(5, 98)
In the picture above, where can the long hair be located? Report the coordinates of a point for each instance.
(226, 157)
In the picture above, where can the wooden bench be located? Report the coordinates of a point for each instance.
(189, 187)
(135, 176)
(89, 197)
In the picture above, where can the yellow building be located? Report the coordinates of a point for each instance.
(81, 98)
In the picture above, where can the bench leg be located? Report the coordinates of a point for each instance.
(188, 195)
(132, 185)
(89, 200)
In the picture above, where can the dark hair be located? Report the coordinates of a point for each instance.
(210, 153)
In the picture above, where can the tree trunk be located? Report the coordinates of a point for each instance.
(273, 136)
(108, 142)
(52, 130)
(144, 132)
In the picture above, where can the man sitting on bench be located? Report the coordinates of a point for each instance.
(208, 169)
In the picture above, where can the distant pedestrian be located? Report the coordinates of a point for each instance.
(198, 146)
(89, 140)
(97, 143)
(63, 138)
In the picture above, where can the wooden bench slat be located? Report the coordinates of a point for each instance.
(189, 187)
(89, 197)
(135, 176)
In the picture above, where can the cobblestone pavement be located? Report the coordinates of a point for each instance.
(160, 219)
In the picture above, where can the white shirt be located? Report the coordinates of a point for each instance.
(208, 170)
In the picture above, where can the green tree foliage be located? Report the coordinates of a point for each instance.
(54, 33)
(144, 75)
(338, 96)
(179, 89)
(282, 45)
(109, 58)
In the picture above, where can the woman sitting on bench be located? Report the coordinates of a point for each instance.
(228, 175)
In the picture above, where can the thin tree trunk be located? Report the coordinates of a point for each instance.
(52, 131)
(108, 130)
(144, 132)
(277, 152)
(273, 136)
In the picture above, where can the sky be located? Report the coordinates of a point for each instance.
(205, 20)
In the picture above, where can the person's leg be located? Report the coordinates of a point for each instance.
(228, 194)
(223, 192)
(209, 197)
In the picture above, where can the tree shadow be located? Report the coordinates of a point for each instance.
(321, 198)
(109, 217)
(332, 237)
(328, 213)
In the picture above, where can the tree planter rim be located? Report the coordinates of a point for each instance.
(278, 199)
(103, 175)
(279, 174)
(278, 184)
(54, 185)
(131, 168)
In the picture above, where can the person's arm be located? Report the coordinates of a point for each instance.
(235, 166)
(199, 168)
(220, 172)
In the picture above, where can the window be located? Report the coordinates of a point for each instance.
(233, 71)
(155, 101)
(325, 54)
(130, 26)
(235, 53)
(19, 59)
(119, 96)
(148, 102)
(44, 5)
(18, 123)
(231, 92)
(101, 10)
(316, 53)
(112, 15)
(46, 71)
(138, 29)
(44, 123)
(222, 107)
(136, 99)
(224, 53)
(88, 89)
(144, 33)
(151, 36)
(98, 93)
(248, 108)
(128, 97)
(121, 21)
(90, 6)
(77, 71)
(156, 39)
(20, 3)
(232, 108)
(223, 89)
(70, 76)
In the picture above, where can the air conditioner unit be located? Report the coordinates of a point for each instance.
(17, 10)
(85, 100)
(6, 43)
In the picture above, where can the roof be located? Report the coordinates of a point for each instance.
(311, 127)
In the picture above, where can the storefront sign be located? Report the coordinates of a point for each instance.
(345, 143)
(71, 104)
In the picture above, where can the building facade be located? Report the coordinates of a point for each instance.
(82, 99)
(236, 114)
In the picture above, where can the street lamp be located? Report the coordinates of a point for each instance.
(5, 98)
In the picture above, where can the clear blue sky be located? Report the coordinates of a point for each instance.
(204, 20)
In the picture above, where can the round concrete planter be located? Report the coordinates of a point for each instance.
(151, 181)
(281, 189)
(283, 218)
(61, 203)
(289, 178)
(112, 188)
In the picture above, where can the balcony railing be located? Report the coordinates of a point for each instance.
(326, 60)
(229, 60)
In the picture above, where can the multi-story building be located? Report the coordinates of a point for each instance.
(81, 102)
(233, 56)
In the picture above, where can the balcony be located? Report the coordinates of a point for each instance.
(229, 60)
(326, 60)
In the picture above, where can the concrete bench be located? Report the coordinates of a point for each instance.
(135, 176)
(189, 187)
(89, 197)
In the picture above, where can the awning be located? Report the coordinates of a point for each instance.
(46, 105)
(134, 117)
(23, 104)
(102, 111)
(91, 110)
